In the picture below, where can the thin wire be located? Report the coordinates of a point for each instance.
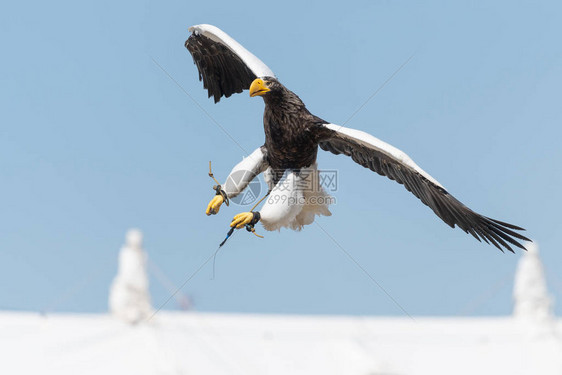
(365, 271)
(184, 283)
(216, 252)
(94, 273)
(215, 261)
(182, 299)
(200, 107)
(379, 89)
(476, 303)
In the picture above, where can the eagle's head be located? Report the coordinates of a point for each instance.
(266, 86)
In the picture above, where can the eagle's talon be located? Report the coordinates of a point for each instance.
(244, 218)
(214, 205)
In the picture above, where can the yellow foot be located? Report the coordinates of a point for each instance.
(242, 219)
(214, 205)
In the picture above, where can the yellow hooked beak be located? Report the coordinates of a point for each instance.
(258, 87)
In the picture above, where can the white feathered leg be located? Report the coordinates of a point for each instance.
(283, 204)
(315, 198)
(295, 200)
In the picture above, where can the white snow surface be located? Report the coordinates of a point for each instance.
(175, 343)
(206, 343)
(214, 33)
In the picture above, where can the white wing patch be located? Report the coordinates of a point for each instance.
(384, 147)
(214, 33)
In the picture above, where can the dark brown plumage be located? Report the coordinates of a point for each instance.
(289, 128)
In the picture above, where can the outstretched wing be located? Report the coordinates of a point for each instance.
(225, 67)
(389, 161)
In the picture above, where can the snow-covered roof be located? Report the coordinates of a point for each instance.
(204, 343)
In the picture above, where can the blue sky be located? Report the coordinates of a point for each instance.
(95, 139)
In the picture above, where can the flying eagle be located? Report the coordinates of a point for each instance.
(292, 138)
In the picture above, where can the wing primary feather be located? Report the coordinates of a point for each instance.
(499, 239)
(510, 226)
(494, 243)
(501, 232)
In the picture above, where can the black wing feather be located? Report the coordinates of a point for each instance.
(223, 73)
(447, 207)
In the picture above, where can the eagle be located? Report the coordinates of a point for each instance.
(292, 138)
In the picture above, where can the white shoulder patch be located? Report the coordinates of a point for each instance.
(388, 149)
(214, 33)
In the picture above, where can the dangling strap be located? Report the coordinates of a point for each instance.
(218, 188)
(250, 226)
